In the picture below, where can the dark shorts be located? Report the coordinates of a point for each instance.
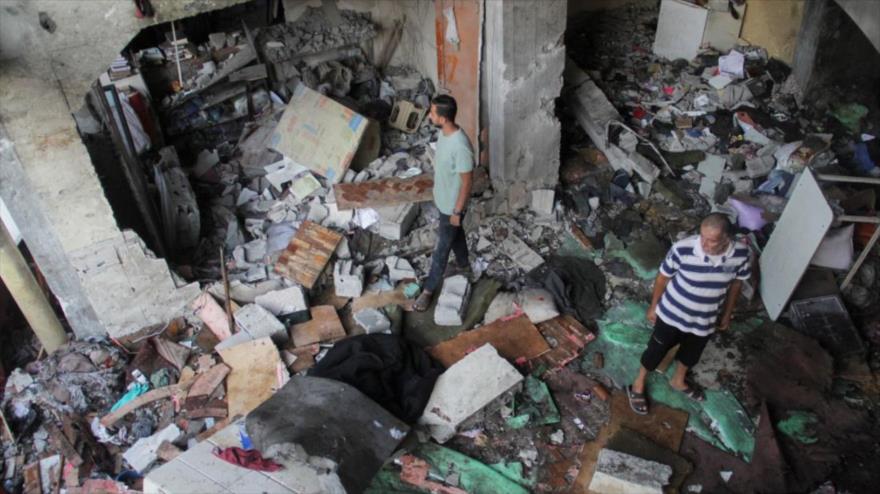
(665, 337)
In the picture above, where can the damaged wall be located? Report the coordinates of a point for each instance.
(417, 47)
(774, 26)
(45, 73)
(524, 60)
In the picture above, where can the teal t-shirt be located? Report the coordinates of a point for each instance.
(454, 156)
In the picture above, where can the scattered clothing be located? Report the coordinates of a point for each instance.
(577, 286)
(390, 370)
(251, 459)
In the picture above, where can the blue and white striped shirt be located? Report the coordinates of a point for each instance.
(699, 284)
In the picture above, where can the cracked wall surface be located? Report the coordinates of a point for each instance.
(525, 57)
(46, 175)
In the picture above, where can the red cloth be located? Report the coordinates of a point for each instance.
(248, 458)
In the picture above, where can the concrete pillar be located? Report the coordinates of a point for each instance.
(524, 60)
(17, 276)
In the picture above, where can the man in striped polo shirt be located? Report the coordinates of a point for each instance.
(701, 275)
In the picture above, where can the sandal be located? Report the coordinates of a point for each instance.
(637, 401)
(423, 302)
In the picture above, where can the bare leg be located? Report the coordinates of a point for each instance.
(639, 384)
(677, 380)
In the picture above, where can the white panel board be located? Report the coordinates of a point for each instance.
(798, 233)
(679, 30)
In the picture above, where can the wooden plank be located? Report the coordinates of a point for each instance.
(381, 299)
(516, 339)
(567, 337)
(664, 426)
(255, 374)
(307, 254)
(204, 385)
(150, 396)
(174, 353)
(324, 326)
(384, 192)
(32, 483)
(61, 444)
(214, 408)
(250, 73)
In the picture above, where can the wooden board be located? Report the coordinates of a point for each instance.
(148, 397)
(255, 374)
(663, 425)
(567, 337)
(516, 340)
(384, 192)
(324, 326)
(308, 253)
(204, 385)
(381, 299)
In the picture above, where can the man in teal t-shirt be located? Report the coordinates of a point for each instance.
(453, 174)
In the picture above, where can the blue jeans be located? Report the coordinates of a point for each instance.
(449, 238)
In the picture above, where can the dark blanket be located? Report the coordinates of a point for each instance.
(391, 371)
(577, 285)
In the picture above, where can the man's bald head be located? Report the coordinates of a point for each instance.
(715, 233)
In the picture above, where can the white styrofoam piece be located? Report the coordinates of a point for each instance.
(798, 233)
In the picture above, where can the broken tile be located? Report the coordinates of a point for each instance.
(307, 254)
(566, 337)
(324, 326)
(452, 302)
(384, 192)
(457, 395)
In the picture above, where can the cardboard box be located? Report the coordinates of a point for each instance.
(320, 134)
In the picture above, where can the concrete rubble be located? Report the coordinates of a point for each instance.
(285, 247)
(620, 472)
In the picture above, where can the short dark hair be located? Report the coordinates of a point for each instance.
(719, 221)
(446, 106)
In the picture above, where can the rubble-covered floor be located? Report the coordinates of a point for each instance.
(559, 289)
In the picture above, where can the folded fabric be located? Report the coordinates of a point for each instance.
(251, 459)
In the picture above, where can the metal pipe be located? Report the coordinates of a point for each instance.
(20, 281)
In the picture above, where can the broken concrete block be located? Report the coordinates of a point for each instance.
(452, 302)
(343, 251)
(372, 321)
(255, 273)
(538, 304)
(395, 221)
(142, 453)
(399, 269)
(255, 250)
(283, 302)
(348, 279)
(259, 322)
(457, 394)
(619, 472)
(317, 211)
(542, 202)
(521, 254)
(338, 218)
